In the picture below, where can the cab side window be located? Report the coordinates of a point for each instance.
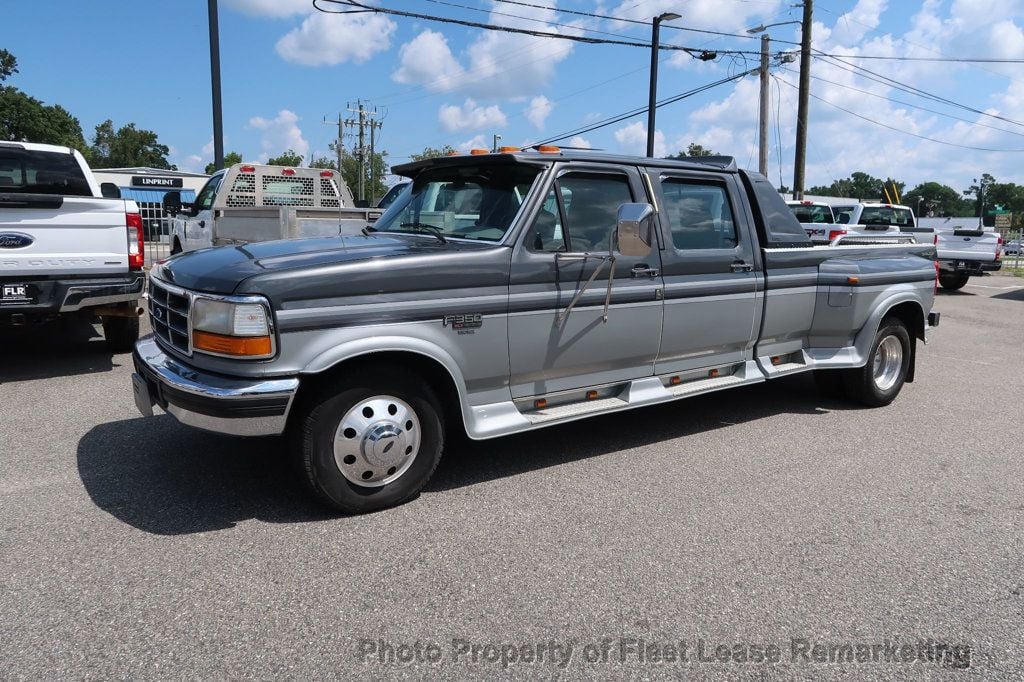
(580, 212)
(205, 199)
(698, 214)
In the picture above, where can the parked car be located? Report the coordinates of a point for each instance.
(1012, 247)
(966, 251)
(67, 245)
(817, 220)
(256, 203)
(508, 292)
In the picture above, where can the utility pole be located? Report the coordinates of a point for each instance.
(338, 142)
(652, 91)
(218, 120)
(363, 118)
(762, 121)
(805, 90)
(495, 140)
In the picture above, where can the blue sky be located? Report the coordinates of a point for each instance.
(286, 68)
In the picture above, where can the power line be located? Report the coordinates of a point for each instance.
(899, 130)
(618, 118)
(966, 60)
(361, 8)
(607, 17)
(911, 104)
(886, 80)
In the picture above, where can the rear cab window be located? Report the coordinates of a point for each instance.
(698, 213)
(24, 171)
(887, 215)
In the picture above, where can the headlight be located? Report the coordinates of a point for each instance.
(229, 328)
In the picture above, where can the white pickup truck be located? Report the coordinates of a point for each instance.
(963, 248)
(824, 223)
(68, 246)
(256, 203)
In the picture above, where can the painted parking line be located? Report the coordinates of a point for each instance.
(989, 286)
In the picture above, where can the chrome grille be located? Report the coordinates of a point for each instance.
(168, 315)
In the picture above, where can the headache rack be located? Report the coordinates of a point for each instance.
(868, 240)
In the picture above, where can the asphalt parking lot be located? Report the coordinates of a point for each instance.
(754, 518)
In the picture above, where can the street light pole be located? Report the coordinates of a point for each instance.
(218, 121)
(652, 100)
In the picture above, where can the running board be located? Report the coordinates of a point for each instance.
(647, 391)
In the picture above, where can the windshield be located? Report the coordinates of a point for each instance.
(466, 202)
(887, 215)
(392, 194)
(812, 214)
(843, 214)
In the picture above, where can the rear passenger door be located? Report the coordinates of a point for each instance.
(709, 270)
(577, 217)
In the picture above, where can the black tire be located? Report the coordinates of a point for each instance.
(175, 247)
(830, 383)
(952, 281)
(861, 384)
(320, 419)
(121, 333)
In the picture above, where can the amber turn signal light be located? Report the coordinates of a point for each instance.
(231, 345)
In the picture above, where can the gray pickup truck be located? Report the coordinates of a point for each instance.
(507, 292)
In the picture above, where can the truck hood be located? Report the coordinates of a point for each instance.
(223, 270)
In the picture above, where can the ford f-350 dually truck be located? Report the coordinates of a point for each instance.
(547, 286)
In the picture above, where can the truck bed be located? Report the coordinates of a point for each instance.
(268, 223)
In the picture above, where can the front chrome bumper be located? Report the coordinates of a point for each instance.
(239, 407)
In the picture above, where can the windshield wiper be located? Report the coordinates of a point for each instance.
(368, 229)
(430, 229)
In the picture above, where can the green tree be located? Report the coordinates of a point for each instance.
(432, 153)
(25, 118)
(694, 149)
(127, 147)
(8, 65)
(350, 173)
(859, 185)
(229, 159)
(979, 190)
(289, 158)
(936, 199)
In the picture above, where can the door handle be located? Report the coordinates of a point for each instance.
(741, 266)
(641, 269)
(202, 223)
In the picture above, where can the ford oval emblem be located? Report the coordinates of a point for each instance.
(15, 240)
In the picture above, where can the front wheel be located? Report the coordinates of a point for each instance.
(372, 446)
(879, 381)
(953, 281)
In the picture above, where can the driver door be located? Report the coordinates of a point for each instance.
(567, 240)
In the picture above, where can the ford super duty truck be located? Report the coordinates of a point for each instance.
(256, 203)
(548, 286)
(67, 246)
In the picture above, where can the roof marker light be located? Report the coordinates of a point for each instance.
(326, 174)
(508, 150)
(247, 169)
(548, 149)
(478, 152)
(288, 171)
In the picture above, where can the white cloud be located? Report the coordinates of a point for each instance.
(280, 134)
(580, 142)
(476, 142)
(633, 140)
(427, 60)
(329, 39)
(496, 64)
(865, 16)
(470, 116)
(270, 8)
(538, 111)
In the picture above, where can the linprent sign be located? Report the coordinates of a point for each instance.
(154, 181)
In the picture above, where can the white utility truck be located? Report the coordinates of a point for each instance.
(68, 245)
(257, 203)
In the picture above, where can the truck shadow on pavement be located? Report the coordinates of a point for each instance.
(164, 478)
(64, 348)
(1014, 295)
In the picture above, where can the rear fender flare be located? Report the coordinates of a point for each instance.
(866, 336)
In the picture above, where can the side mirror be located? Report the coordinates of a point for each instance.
(109, 190)
(172, 203)
(634, 231)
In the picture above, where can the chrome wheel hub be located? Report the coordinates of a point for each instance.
(887, 363)
(377, 441)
